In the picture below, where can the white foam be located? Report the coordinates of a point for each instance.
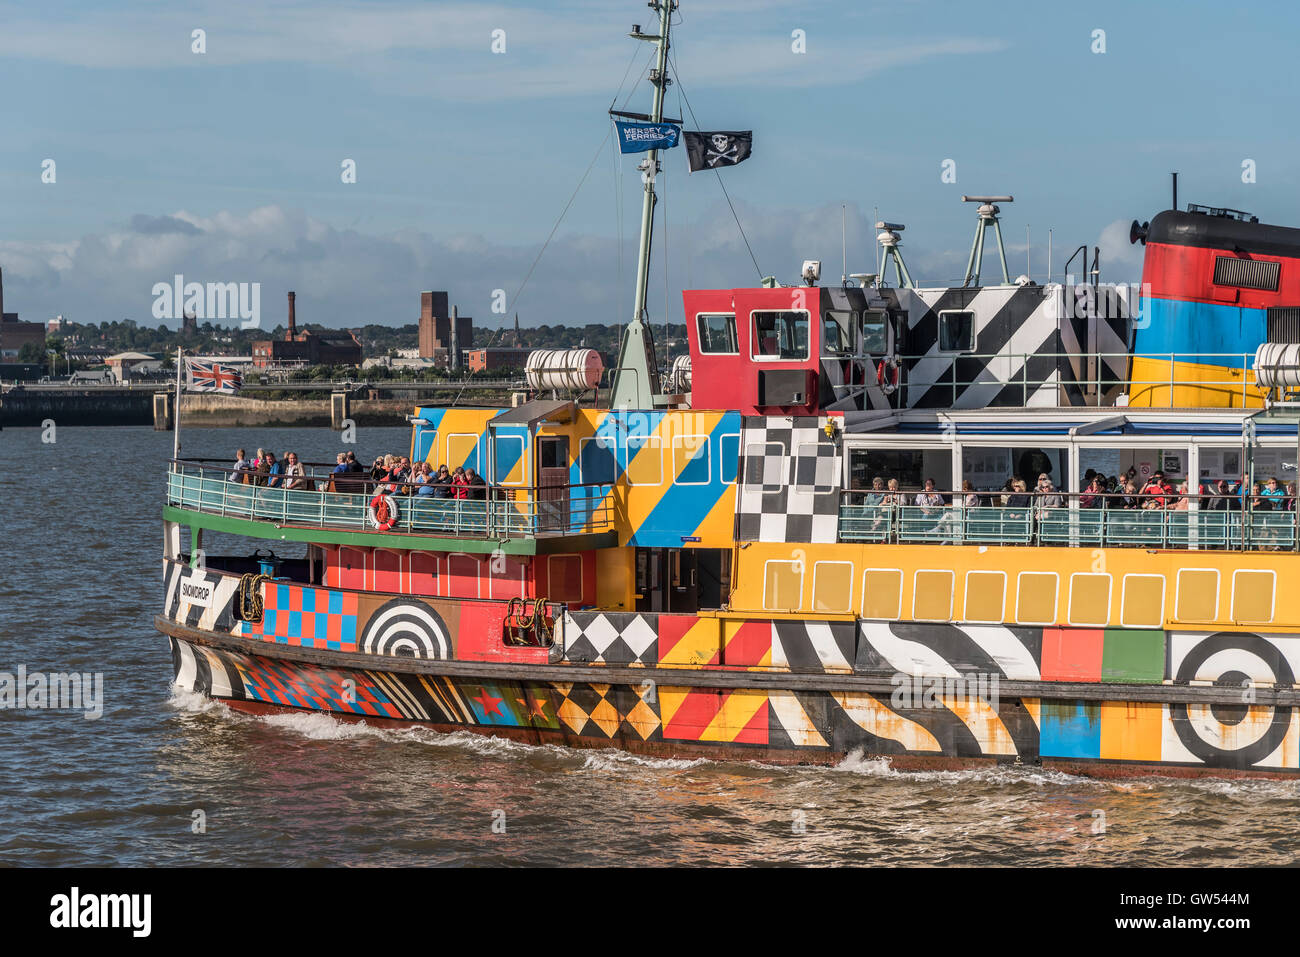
(192, 702)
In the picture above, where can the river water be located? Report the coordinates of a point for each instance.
(174, 779)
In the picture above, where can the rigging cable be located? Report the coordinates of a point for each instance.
(682, 93)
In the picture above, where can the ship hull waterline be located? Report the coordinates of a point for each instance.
(196, 652)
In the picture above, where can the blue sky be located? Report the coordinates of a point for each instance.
(225, 166)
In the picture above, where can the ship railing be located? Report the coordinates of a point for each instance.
(499, 512)
(1081, 519)
(1225, 373)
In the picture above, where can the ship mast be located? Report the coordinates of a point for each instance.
(636, 376)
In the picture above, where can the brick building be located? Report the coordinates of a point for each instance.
(330, 347)
(14, 334)
(436, 331)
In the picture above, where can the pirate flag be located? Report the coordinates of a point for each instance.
(715, 150)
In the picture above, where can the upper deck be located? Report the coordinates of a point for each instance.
(693, 479)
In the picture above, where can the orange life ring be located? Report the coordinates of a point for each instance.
(382, 512)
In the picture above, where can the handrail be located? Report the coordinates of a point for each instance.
(1237, 378)
(1208, 519)
(486, 512)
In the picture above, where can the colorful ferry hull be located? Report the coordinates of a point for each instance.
(1105, 701)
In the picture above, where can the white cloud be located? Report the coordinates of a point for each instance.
(443, 51)
(347, 277)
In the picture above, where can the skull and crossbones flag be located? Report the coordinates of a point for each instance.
(715, 150)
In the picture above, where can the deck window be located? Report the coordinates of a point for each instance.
(956, 331)
(717, 333)
(782, 585)
(691, 459)
(832, 587)
(781, 335)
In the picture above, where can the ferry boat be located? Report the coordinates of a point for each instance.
(706, 568)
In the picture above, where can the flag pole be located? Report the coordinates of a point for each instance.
(176, 419)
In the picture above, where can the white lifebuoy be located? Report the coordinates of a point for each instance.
(382, 512)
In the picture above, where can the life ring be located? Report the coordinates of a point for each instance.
(887, 375)
(382, 512)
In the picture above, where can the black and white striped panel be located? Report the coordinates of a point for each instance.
(949, 651)
(205, 671)
(217, 615)
(817, 647)
(1012, 327)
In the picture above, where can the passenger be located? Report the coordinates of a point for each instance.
(1275, 495)
(892, 494)
(1290, 496)
(1129, 498)
(877, 494)
(1183, 502)
(929, 500)
(1094, 495)
(477, 485)
(969, 497)
(1048, 496)
(274, 470)
(1221, 500)
(295, 474)
(1018, 500)
(424, 482)
(1153, 493)
(459, 484)
(239, 472)
(442, 483)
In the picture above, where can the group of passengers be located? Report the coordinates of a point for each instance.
(1098, 491)
(266, 470)
(393, 474)
(397, 474)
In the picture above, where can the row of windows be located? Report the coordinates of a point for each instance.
(451, 576)
(1035, 601)
(640, 456)
(784, 334)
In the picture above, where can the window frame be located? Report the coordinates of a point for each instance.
(754, 337)
(974, 334)
(708, 460)
(699, 333)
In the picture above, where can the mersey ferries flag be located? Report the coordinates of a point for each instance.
(640, 137)
(211, 377)
(715, 150)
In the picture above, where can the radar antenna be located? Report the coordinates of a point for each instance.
(988, 216)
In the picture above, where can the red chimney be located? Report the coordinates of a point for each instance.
(292, 334)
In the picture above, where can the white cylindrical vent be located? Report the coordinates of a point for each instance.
(1277, 365)
(570, 370)
(682, 374)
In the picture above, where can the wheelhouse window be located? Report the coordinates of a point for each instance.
(874, 340)
(717, 333)
(781, 335)
(847, 333)
(956, 331)
(837, 333)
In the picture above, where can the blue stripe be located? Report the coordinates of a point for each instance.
(682, 508)
(1178, 326)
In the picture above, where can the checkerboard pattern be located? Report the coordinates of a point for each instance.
(790, 481)
(307, 617)
(613, 638)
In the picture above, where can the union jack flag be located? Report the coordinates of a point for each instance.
(211, 377)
